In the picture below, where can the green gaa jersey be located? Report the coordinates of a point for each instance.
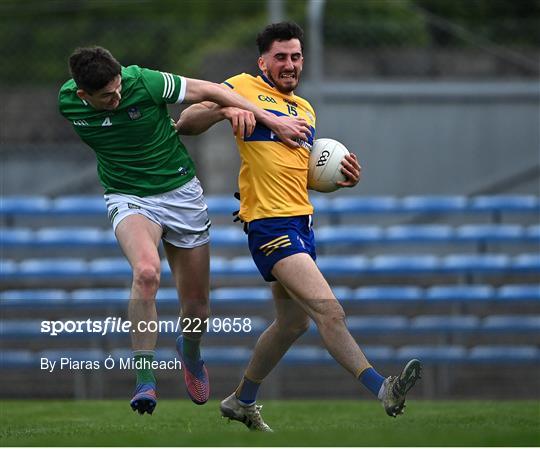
(138, 150)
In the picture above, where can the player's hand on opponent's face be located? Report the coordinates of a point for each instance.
(243, 122)
(351, 169)
(291, 129)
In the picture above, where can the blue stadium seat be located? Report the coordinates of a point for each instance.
(33, 298)
(419, 233)
(506, 203)
(321, 204)
(73, 237)
(18, 359)
(504, 354)
(404, 264)
(519, 292)
(20, 329)
(167, 296)
(80, 205)
(350, 265)
(228, 236)
(379, 354)
(307, 355)
(226, 355)
(460, 293)
(533, 232)
(166, 269)
(109, 267)
(362, 205)
(512, 323)
(100, 296)
(222, 204)
(342, 293)
(434, 203)
(444, 323)
(8, 267)
(126, 353)
(24, 205)
(350, 235)
(240, 295)
(526, 263)
(218, 266)
(377, 324)
(388, 293)
(15, 237)
(490, 232)
(81, 354)
(60, 267)
(433, 354)
(242, 266)
(478, 263)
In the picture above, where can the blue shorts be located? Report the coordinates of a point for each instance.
(273, 239)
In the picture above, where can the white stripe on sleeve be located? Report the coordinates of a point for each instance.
(166, 84)
(182, 93)
(170, 90)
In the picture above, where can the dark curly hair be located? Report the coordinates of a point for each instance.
(93, 68)
(282, 31)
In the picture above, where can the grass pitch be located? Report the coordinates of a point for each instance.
(296, 423)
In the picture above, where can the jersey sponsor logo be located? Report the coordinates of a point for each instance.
(133, 206)
(107, 122)
(168, 88)
(266, 98)
(324, 158)
(134, 113)
(80, 123)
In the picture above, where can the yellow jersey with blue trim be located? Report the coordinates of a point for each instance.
(273, 177)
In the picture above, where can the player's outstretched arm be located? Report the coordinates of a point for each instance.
(288, 129)
(352, 170)
(199, 117)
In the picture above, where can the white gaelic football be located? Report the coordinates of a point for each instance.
(325, 165)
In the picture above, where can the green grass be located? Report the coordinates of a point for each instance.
(296, 423)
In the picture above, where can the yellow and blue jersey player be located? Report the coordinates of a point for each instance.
(276, 208)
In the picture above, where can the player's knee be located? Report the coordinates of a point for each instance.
(146, 276)
(332, 316)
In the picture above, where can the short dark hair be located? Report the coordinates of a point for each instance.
(283, 31)
(93, 68)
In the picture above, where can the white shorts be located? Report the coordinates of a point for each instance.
(181, 213)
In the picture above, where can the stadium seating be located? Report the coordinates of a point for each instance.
(327, 236)
(452, 280)
(226, 204)
(255, 296)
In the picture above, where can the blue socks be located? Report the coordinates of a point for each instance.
(372, 380)
(247, 391)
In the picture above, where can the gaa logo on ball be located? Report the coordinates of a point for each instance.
(324, 157)
(325, 165)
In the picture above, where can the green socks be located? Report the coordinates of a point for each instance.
(143, 362)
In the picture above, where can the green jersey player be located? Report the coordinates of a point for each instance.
(151, 190)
